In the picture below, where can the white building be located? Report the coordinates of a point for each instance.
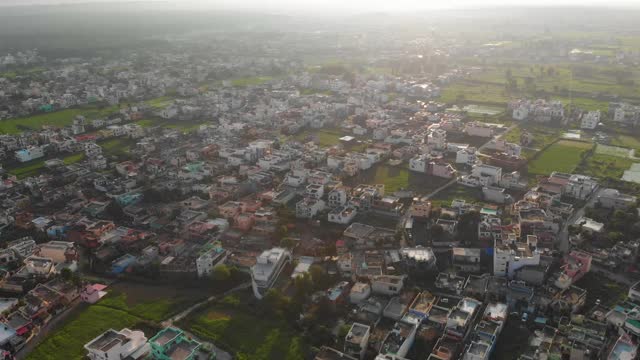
(209, 260)
(476, 128)
(337, 197)
(496, 194)
(30, 153)
(308, 208)
(466, 156)
(590, 120)
(267, 269)
(343, 214)
(357, 340)
(387, 284)
(511, 255)
(114, 344)
(614, 199)
(488, 174)
(419, 163)
(437, 139)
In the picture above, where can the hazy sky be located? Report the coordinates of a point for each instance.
(353, 5)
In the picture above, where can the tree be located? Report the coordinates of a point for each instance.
(114, 210)
(437, 231)
(66, 274)
(320, 277)
(287, 242)
(221, 273)
(296, 350)
(303, 285)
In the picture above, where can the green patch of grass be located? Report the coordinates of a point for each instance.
(31, 168)
(393, 178)
(563, 156)
(67, 342)
(605, 166)
(453, 192)
(262, 337)
(184, 126)
(156, 310)
(253, 80)
(322, 137)
(159, 102)
(466, 91)
(145, 122)
(57, 118)
(72, 159)
(116, 146)
(542, 135)
(632, 142)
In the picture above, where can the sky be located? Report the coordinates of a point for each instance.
(352, 5)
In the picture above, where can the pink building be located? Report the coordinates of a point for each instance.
(230, 209)
(244, 221)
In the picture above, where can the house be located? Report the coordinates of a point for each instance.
(511, 255)
(114, 344)
(209, 260)
(590, 120)
(30, 153)
(172, 343)
(420, 208)
(267, 269)
(343, 214)
(58, 251)
(92, 293)
(360, 292)
(488, 174)
(441, 169)
(614, 199)
(337, 197)
(476, 128)
(466, 259)
(357, 340)
(387, 284)
(307, 208)
(496, 194)
(467, 156)
(122, 263)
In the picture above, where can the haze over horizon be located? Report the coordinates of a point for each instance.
(337, 5)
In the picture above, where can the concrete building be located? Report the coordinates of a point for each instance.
(343, 214)
(307, 208)
(357, 340)
(590, 120)
(114, 344)
(267, 269)
(387, 284)
(614, 199)
(209, 260)
(511, 255)
(30, 153)
(173, 344)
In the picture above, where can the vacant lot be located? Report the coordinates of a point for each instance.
(563, 156)
(604, 166)
(253, 80)
(238, 329)
(542, 135)
(613, 151)
(396, 178)
(468, 194)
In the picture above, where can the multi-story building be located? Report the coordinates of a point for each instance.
(307, 208)
(209, 260)
(614, 199)
(590, 120)
(30, 153)
(114, 344)
(357, 340)
(343, 214)
(511, 255)
(172, 343)
(267, 269)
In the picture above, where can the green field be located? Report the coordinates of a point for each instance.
(604, 166)
(322, 137)
(160, 102)
(115, 311)
(58, 118)
(466, 91)
(116, 146)
(31, 168)
(72, 159)
(542, 135)
(629, 141)
(146, 122)
(563, 156)
(444, 197)
(240, 331)
(252, 80)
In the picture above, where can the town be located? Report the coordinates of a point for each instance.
(185, 202)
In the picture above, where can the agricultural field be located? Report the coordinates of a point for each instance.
(261, 337)
(613, 151)
(563, 156)
(629, 141)
(473, 92)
